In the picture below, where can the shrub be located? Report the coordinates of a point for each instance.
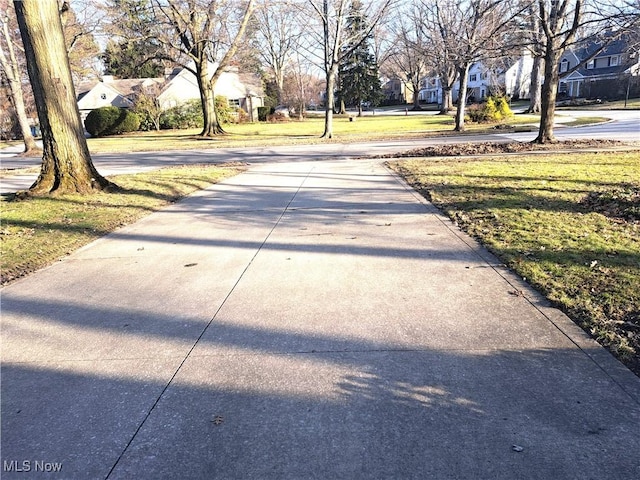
(493, 110)
(186, 115)
(477, 113)
(100, 120)
(263, 112)
(127, 122)
(241, 116)
(223, 111)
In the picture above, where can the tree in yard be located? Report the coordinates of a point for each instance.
(11, 70)
(66, 163)
(133, 50)
(408, 57)
(208, 33)
(301, 86)
(147, 106)
(561, 24)
(277, 32)
(358, 69)
(131, 59)
(470, 30)
(331, 36)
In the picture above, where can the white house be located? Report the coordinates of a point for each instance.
(241, 90)
(517, 77)
(431, 90)
(512, 76)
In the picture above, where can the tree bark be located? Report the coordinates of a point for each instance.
(66, 162)
(211, 126)
(463, 71)
(447, 101)
(10, 67)
(328, 114)
(535, 90)
(549, 95)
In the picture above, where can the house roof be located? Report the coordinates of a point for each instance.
(251, 85)
(619, 46)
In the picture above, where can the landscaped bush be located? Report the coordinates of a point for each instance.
(224, 112)
(127, 122)
(493, 110)
(111, 121)
(263, 112)
(100, 120)
(186, 115)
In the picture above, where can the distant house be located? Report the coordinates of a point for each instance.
(397, 91)
(600, 71)
(511, 76)
(517, 77)
(430, 90)
(242, 90)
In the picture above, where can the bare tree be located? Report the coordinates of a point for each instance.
(66, 163)
(205, 34)
(469, 31)
(332, 37)
(79, 25)
(566, 24)
(11, 69)
(407, 59)
(440, 50)
(277, 31)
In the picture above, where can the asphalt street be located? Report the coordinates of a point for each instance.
(624, 126)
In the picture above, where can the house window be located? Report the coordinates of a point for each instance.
(234, 102)
(483, 76)
(473, 78)
(591, 64)
(613, 61)
(564, 65)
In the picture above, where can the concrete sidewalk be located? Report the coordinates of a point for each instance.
(303, 320)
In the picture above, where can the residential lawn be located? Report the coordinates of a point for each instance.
(37, 231)
(569, 224)
(370, 127)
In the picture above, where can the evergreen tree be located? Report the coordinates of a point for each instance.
(358, 70)
(133, 51)
(131, 59)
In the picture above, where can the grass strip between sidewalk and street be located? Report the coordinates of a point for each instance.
(37, 231)
(568, 223)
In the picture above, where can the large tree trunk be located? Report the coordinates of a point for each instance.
(415, 85)
(463, 71)
(447, 101)
(328, 113)
(10, 67)
(211, 126)
(535, 90)
(549, 94)
(66, 162)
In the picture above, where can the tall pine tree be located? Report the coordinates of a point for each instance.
(358, 72)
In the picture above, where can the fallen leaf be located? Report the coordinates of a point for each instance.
(217, 420)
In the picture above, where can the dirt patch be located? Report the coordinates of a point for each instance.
(489, 148)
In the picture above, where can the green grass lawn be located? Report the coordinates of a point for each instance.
(37, 231)
(569, 224)
(370, 127)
